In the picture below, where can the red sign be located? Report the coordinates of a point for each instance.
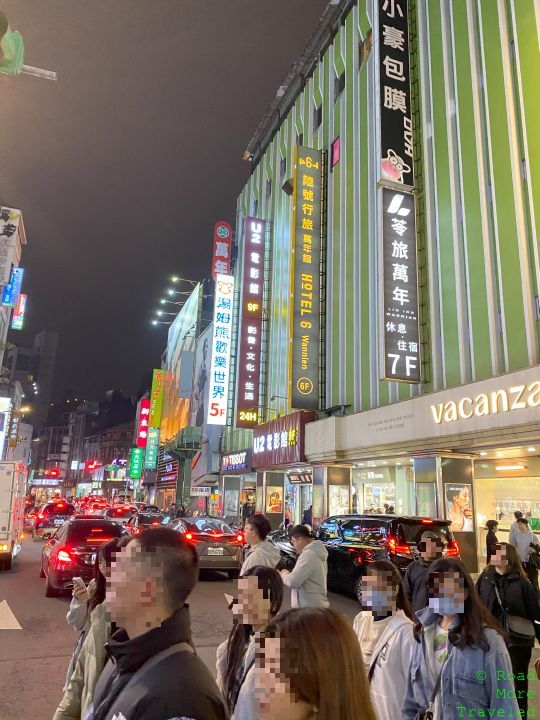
(221, 263)
(249, 355)
(142, 424)
(281, 441)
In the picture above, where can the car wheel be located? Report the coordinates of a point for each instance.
(233, 574)
(50, 591)
(42, 571)
(358, 588)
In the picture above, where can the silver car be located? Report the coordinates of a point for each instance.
(219, 547)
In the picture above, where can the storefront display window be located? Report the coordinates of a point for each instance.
(426, 501)
(338, 500)
(274, 499)
(377, 495)
(230, 503)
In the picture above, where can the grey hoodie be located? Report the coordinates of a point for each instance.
(264, 553)
(308, 579)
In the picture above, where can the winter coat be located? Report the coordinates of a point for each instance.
(177, 686)
(462, 691)
(389, 661)
(522, 543)
(491, 544)
(264, 553)
(246, 707)
(308, 579)
(88, 666)
(517, 595)
(415, 582)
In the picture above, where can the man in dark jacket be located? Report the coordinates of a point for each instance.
(153, 672)
(415, 580)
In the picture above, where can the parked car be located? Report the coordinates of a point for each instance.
(71, 551)
(144, 507)
(50, 517)
(120, 513)
(219, 546)
(137, 523)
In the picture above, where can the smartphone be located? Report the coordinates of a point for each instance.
(80, 582)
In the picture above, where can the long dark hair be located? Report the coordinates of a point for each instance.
(271, 584)
(389, 569)
(514, 563)
(106, 552)
(475, 617)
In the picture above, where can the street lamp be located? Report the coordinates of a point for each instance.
(160, 322)
(162, 312)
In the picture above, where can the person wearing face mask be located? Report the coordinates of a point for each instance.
(507, 593)
(385, 632)
(309, 667)
(261, 552)
(460, 664)
(416, 576)
(260, 594)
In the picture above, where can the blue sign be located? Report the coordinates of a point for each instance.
(12, 290)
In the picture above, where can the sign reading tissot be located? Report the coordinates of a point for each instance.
(239, 461)
(249, 354)
(221, 262)
(396, 134)
(401, 333)
(281, 441)
(306, 288)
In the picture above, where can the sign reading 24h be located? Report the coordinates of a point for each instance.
(221, 350)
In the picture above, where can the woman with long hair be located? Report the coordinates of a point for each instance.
(91, 656)
(260, 594)
(310, 666)
(460, 662)
(509, 595)
(385, 631)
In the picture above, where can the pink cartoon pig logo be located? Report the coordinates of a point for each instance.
(393, 167)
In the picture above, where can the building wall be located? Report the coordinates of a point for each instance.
(478, 175)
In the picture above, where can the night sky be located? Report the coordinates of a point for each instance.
(122, 167)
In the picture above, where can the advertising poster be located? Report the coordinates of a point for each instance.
(274, 499)
(230, 502)
(338, 500)
(459, 507)
(17, 320)
(201, 374)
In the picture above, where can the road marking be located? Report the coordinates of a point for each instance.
(8, 621)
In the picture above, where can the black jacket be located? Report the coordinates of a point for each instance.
(517, 595)
(491, 544)
(179, 686)
(415, 582)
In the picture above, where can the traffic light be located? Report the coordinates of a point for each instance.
(11, 48)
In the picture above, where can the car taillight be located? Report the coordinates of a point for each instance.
(452, 549)
(41, 516)
(188, 536)
(156, 522)
(240, 538)
(396, 548)
(63, 556)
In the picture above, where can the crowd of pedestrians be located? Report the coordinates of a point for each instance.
(429, 644)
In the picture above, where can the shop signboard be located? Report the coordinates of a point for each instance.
(152, 448)
(237, 462)
(305, 313)
(221, 262)
(9, 226)
(201, 373)
(14, 429)
(201, 491)
(249, 355)
(302, 477)
(221, 351)
(396, 129)
(400, 292)
(136, 463)
(156, 399)
(143, 413)
(281, 441)
(11, 291)
(17, 321)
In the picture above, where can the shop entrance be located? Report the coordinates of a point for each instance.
(380, 486)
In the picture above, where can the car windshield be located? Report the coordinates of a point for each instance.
(149, 519)
(207, 525)
(119, 512)
(410, 531)
(93, 533)
(59, 509)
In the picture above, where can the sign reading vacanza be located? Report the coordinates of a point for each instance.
(306, 288)
(401, 333)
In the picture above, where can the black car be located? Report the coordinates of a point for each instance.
(140, 522)
(50, 517)
(71, 552)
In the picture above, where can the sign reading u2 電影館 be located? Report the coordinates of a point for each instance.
(306, 285)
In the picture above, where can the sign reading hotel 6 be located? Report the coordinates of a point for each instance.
(221, 351)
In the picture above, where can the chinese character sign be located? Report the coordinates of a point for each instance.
(152, 448)
(136, 463)
(156, 399)
(249, 354)
(401, 333)
(9, 226)
(396, 130)
(17, 320)
(306, 288)
(12, 290)
(281, 441)
(221, 263)
(221, 351)
(142, 423)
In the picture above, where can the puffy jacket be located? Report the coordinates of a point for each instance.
(472, 679)
(88, 666)
(264, 553)
(246, 704)
(415, 582)
(308, 579)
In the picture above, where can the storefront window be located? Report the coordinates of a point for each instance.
(338, 500)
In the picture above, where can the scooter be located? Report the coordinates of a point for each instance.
(280, 540)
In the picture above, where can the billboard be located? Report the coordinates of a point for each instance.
(281, 441)
(251, 308)
(143, 413)
(201, 375)
(11, 291)
(5, 407)
(156, 399)
(221, 261)
(9, 226)
(221, 351)
(136, 463)
(400, 293)
(17, 321)
(396, 130)
(305, 311)
(152, 449)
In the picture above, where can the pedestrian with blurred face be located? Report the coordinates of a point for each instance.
(307, 580)
(459, 662)
(385, 631)
(416, 576)
(514, 528)
(260, 594)
(491, 538)
(154, 672)
(310, 667)
(508, 594)
(527, 546)
(261, 552)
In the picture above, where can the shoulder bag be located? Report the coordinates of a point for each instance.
(517, 627)
(427, 714)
